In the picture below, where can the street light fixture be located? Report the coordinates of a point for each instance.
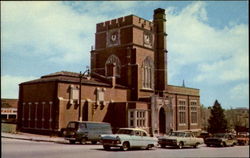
(81, 75)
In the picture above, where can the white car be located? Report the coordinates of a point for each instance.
(127, 138)
(180, 139)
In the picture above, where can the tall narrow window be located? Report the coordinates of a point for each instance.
(148, 73)
(116, 62)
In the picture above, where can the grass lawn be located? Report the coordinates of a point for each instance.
(7, 127)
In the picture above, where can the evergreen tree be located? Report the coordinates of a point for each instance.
(217, 122)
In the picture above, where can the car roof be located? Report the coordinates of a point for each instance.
(134, 129)
(89, 122)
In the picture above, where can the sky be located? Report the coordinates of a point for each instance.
(207, 42)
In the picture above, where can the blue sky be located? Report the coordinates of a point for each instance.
(207, 42)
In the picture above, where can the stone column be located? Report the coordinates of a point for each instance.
(36, 104)
(29, 119)
(50, 114)
(43, 106)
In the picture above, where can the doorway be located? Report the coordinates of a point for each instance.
(162, 121)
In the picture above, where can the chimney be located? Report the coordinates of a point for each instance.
(160, 49)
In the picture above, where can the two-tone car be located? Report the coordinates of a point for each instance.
(180, 140)
(221, 139)
(127, 138)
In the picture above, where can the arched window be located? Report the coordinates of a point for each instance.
(148, 73)
(112, 61)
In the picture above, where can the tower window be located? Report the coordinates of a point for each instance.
(113, 61)
(148, 73)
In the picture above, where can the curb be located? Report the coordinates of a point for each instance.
(37, 140)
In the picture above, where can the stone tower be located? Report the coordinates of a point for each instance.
(160, 51)
(127, 43)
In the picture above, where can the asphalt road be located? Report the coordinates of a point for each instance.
(12, 148)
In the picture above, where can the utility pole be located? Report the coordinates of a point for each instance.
(80, 94)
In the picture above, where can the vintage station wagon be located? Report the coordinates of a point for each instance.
(78, 131)
(180, 139)
(127, 138)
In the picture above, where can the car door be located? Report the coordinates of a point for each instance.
(145, 140)
(134, 139)
(187, 139)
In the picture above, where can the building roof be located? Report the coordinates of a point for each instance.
(183, 90)
(72, 77)
(9, 103)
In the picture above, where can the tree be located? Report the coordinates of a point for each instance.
(217, 122)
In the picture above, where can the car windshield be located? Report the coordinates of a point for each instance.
(125, 131)
(219, 135)
(177, 134)
(72, 125)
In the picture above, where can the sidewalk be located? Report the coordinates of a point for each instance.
(33, 137)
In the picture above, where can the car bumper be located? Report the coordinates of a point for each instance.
(111, 143)
(214, 143)
(167, 142)
(67, 138)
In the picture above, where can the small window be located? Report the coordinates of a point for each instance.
(131, 114)
(137, 133)
(131, 122)
(144, 134)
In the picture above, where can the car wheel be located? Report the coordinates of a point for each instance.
(149, 146)
(163, 146)
(72, 142)
(93, 142)
(208, 145)
(106, 147)
(196, 145)
(224, 144)
(180, 146)
(83, 141)
(125, 146)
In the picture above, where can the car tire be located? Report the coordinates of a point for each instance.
(163, 146)
(149, 146)
(180, 145)
(208, 145)
(224, 144)
(72, 141)
(93, 142)
(106, 147)
(83, 141)
(125, 146)
(196, 145)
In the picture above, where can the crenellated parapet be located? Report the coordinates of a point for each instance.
(124, 21)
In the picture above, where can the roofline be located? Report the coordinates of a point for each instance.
(60, 81)
(184, 87)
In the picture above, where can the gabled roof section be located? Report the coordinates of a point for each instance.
(72, 77)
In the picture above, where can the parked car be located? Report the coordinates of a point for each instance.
(204, 135)
(127, 138)
(243, 138)
(77, 131)
(221, 139)
(180, 140)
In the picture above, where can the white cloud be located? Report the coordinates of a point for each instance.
(240, 92)
(213, 52)
(10, 85)
(47, 28)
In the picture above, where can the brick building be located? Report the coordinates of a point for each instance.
(8, 110)
(126, 85)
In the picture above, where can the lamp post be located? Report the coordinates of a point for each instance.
(81, 75)
(80, 94)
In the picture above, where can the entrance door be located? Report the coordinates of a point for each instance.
(162, 121)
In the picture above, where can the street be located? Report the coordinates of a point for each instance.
(12, 148)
